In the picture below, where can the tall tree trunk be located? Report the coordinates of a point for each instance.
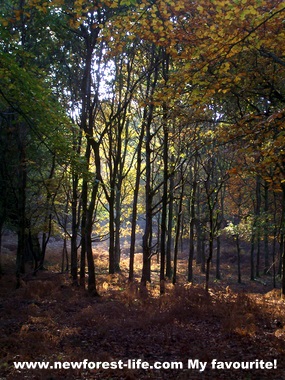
(148, 117)
(48, 216)
(74, 230)
(274, 242)
(165, 74)
(252, 247)
(75, 213)
(238, 258)
(283, 250)
(84, 201)
(218, 272)
(198, 228)
(177, 235)
(274, 259)
(211, 247)
(118, 225)
(192, 221)
(22, 219)
(148, 212)
(257, 213)
(203, 252)
(64, 257)
(266, 243)
(169, 228)
(135, 203)
(112, 232)
(164, 208)
(89, 252)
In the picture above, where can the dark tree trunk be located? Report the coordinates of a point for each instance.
(75, 215)
(148, 213)
(200, 252)
(192, 223)
(165, 74)
(135, 203)
(74, 232)
(148, 117)
(177, 235)
(238, 258)
(211, 250)
(266, 242)
(164, 210)
(252, 246)
(118, 227)
(218, 272)
(169, 229)
(22, 183)
(283, 250)
(111, 234)
(64, 257)
(257, 213)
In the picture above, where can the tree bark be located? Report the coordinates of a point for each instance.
(22, 219)
(192, 222)
(283, 250)
(169, 228)
(177, 235)
(135, 203)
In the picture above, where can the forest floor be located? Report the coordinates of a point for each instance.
(48, 320)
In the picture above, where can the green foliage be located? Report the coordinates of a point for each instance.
(242, 229)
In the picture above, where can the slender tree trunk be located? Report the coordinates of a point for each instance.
(211, 250)
(64, 258)
(87, 243)
(238, 258)
(177, 235)
(257, 213)
(218, 272)
(118, 227)
(274, 243)
(111, 233)
(192, 223)
(252, 246)
(84, 205)
(257, 273)
(74, 231)
(135, 203)
(148, 116)
(266, 243)
(83, 237)
(165, 74)
(274, 258)
(75, 213)
(283, 250)
(92, 288)
(164, 209)
(198, 228)
(169, 229)
(203, 251)
(48, 216)
(148, 208)
(22, 183)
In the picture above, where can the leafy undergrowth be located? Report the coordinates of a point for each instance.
(49, 320)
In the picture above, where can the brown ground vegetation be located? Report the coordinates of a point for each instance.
(49, 320)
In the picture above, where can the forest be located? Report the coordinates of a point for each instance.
(146, 139)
